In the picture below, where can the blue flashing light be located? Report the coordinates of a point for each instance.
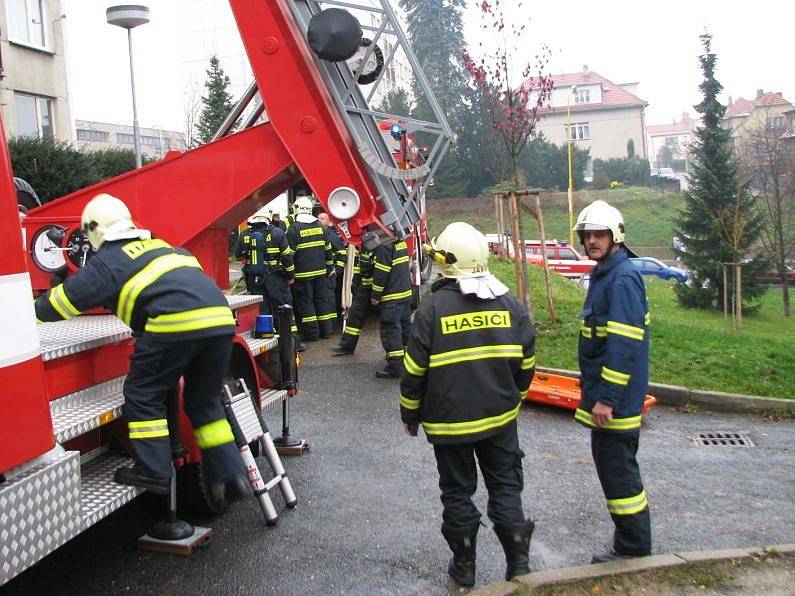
(397, 131)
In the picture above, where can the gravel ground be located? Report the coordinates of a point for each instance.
(369, 514)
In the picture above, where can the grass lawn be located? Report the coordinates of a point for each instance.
(688, 347)
(648, 214)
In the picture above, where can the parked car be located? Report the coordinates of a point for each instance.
(562, 258)
(664, 173)
(772, 277)
(651, 266)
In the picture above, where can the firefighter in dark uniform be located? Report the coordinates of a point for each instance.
(614, 363)
(340, 250)
(468, 366)
(184, 328)
(360, 305)
(391, 290)
(314, 263)
(242, 248)
(276, 221)
(256, 259)
(279, 272)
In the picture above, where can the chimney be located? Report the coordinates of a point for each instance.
(585, 69)
(685, 117)
(779, 94)
(730, 101)
(759, 93)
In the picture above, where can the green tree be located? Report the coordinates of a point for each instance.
(630, 148)
(719, 223)
(217, 101)
(436, 31)
(634, 170)
(546, 165)
(397, 101)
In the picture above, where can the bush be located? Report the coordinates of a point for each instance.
(632, 170)
(601, 181)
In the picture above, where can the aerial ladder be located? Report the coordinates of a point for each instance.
(305, 117)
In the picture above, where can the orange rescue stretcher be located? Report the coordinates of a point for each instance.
(564, 392)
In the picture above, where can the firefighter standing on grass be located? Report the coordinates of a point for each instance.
(314, 264)
(184, 328)
(391, 290)
(468, 366)
(614, 362)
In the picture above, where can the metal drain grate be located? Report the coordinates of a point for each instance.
(727, 438)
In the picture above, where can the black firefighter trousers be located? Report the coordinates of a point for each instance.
(314, 301)
(614, 455)
(500, 461)
(277, 293)
(357, 317)
(395, 328)
(155, 370)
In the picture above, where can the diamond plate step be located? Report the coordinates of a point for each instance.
(77, 413)
(99, 495)
(271, 397)
(260, 346)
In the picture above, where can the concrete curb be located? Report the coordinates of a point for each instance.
(567, 575)
(673, 395)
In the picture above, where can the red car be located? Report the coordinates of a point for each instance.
(562, 258)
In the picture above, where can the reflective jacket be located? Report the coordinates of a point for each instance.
(468, 365)
(363, 269)
(243, 244)
(278, 254)
(391, 279)
(311, 248)
(614, 344)
(339, 248)
(155, 289)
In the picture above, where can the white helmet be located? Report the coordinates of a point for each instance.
(463, 251)
(107, 218)
(601, 216)
(260, 217)
(302, 205)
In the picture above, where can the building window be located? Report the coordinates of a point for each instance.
(582, 96)
(124, 138)
(85, 134)
(776, 122)
(672, 141)
(580, 131)
(27, 22)
(34, 116)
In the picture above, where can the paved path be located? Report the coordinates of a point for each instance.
(369, 514)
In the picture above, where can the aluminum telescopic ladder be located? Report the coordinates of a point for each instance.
(249, 427)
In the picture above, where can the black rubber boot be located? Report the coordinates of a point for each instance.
(392, 370)
(515, 540)
(135, 477)
(462, 564)
(340, 351)
(612, 555)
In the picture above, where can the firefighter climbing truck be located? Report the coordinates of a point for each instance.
(62, 429)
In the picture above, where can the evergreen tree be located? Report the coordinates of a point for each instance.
(396, 101)
(436, 32)
(217, 102)
(719, 223)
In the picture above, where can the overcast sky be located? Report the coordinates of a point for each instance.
(653, 43)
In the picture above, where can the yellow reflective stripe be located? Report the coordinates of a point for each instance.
(478, 353)
(471, 427)
(386, 268)
(145, 277)
(378, 288)
(586, 332)
(523, 394)
(314, 231)
(352, 330)
(293, 328)
(395, 354)
(625, 330)
(647, 320)
(401, 246)
(191, 320)
(327, 317)
(528, 363)
(614, 376)
(302, 245)
(273, 250)
(287, 251)
(61, 303)
(214, 434)
(412, 367)
(314, 273)
(309, 319)
(409, 404)
(601, 331)
(629, 505)
(400, 260)
(148, 429)
(290, 268)
(629, 423)
(396, 296)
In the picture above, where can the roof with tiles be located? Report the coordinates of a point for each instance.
(742, 106)
(613, 96)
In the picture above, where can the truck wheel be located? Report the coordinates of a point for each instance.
(196, 495)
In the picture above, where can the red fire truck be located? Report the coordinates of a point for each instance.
(62, 429)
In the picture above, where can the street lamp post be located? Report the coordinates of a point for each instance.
(130, 16)
(571, 176)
